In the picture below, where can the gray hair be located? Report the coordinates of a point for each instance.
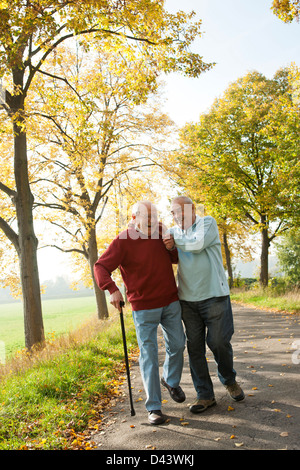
(184, 199)
(135, 210)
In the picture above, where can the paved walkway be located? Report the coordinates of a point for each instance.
(268, 418)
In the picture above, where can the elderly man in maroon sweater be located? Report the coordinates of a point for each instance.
(146, 269)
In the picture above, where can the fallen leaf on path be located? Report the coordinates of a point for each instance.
(232, 436)
(238, 444)
(230, 408)
(217, 439)
(184, 423)
(284, 434)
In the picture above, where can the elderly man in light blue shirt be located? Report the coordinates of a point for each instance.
(204, 296)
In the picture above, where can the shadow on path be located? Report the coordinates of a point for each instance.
(268, 418)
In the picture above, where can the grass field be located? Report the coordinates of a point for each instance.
(59, 315)
(268, 299)
(56, 397)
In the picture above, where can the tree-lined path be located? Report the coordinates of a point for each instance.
(266, 356)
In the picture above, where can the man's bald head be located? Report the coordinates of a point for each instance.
(183, 211)
(144, 214)
(143, 207)
(182, 200)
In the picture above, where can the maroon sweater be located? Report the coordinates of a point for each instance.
(146, 269)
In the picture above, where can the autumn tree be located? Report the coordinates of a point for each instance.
(30, 31)
(286, 10)
(244, 155)
(288, 252)
(99, 137)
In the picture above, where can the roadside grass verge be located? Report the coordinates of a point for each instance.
(54, 398)
(268, 299)
(59, 316)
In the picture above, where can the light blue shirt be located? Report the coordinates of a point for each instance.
(201, 274)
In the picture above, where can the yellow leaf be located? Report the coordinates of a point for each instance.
(184, 423)
(238, 444)
(232, 436)
(230, 408)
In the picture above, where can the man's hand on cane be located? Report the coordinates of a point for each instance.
(115, 299)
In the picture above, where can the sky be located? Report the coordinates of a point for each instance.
(240, 36)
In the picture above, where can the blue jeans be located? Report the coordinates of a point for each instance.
(146, 324)
(209, 321)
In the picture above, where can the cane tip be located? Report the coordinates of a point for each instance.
(132, 413)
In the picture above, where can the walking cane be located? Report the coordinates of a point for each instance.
(126, 358)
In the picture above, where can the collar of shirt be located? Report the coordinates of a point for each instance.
(188, 233)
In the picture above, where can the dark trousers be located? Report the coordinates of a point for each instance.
(209, 322)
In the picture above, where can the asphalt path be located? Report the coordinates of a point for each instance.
(267, 360)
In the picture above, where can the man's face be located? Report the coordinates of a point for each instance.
(183, 214)
(147, 219)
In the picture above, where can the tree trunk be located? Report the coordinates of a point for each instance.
(32, 305)
(228, 260)
(102, 310)
(264, 257)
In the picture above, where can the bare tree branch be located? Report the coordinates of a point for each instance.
(10, 233)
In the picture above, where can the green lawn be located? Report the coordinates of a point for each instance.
(59, 315)
(267, 298)
(55, 399)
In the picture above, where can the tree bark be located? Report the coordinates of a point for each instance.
(28, 243)
(264, 257)
(228, 260)
(102, 310)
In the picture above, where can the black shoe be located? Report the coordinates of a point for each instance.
(156, 417)
(177, 394)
